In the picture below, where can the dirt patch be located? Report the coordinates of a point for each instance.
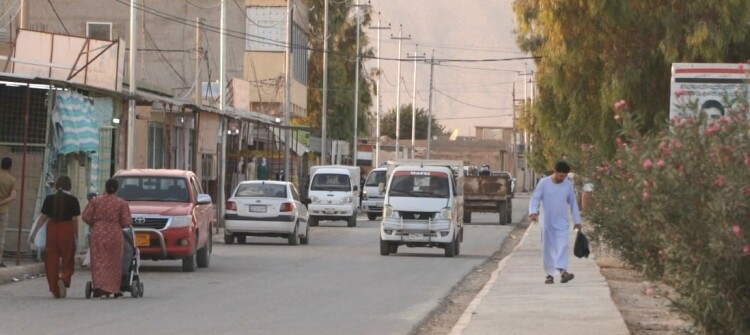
(644, 305)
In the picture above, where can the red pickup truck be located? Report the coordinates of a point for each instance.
(172, 217)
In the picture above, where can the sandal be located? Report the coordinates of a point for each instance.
(550, 280)
(566, 277)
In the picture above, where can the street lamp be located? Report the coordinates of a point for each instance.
(414, 100)
(357, 17)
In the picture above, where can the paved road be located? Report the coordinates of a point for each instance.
(337, 284)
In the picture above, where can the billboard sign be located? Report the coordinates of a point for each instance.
(709, 87)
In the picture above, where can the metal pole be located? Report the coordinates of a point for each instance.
(222, 107)
(429, 118)
(27, 106)
(414, 104)
(356, 90)
(129, 161)
(324, 111)
(377, 98)
(288, 86)
(398, 88)
(198, 51)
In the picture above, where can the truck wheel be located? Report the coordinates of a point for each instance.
(203, 257)
(385, 249)
(228, 239)
(372, 216)
(312, 221)
(306, 239)
(352, 220)
(450, 248)
(393, 248)
(467, 217)
(510, 211)
(293, 238)
(241, 239)
(89, 289)
(503, 209)
(188, 263)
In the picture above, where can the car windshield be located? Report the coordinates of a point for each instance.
(247, 190)
(375, 178)
(419, 184)
(330, 182)
(140, 188)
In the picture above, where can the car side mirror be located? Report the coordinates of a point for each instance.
(356, 188)
(203, 199)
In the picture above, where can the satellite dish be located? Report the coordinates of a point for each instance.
(454, 135)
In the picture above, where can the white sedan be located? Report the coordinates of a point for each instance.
(266, 208)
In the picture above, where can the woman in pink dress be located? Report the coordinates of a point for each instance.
(107, 215)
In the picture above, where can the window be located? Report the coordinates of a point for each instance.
(156, 145)
(153, 189)
(208, 167)
(99, 30)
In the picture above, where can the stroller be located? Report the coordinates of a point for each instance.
(131, 262)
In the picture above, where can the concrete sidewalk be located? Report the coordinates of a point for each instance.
(516, 300)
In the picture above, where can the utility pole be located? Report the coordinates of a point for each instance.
(377, 98)
(414, 100)
(356, 89)
(222, 108)
(526, 175)
(198, 56)
(129, 160)
(429, 118)
(324, 111)
(398, 87)
(288, 87)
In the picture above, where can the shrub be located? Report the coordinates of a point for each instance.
(676, 205)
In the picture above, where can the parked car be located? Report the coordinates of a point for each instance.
(266, 208)
(172, 217)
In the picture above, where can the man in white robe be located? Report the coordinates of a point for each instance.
(557, 195)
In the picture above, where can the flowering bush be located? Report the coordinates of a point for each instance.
(676, 205)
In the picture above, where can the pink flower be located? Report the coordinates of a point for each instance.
(647, 183)
(619, 142)
(746, 249)
(747, 160)
(648, 163)
(676, 120)
(661, 164)
(713, 129)
(736, 230)
(645, 196)
(620, 104)
(721, 181)
(650, 292)
(619, 164)
(747, 191)
(677, 144)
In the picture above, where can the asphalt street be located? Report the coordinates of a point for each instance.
(337, 284)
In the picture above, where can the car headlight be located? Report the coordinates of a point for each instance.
(346, 200)
(388, 212)
(445, 213)
(181, 221)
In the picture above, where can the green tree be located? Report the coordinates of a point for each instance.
(593, 53)
(341, 70)
(388, 124)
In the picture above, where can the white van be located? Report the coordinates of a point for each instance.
(373, 193)
(423, 206)
(333, 194)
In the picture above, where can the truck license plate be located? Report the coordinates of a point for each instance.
(258, 209)
(142, 240)
(413, 236)
(329, 211)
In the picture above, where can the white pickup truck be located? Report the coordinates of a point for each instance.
(333, 194)
(423, 206)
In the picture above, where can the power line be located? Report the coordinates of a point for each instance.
(466, 103)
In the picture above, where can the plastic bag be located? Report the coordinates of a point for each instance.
(581, 248)
(40, 240)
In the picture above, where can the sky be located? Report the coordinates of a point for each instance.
(466, 94)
